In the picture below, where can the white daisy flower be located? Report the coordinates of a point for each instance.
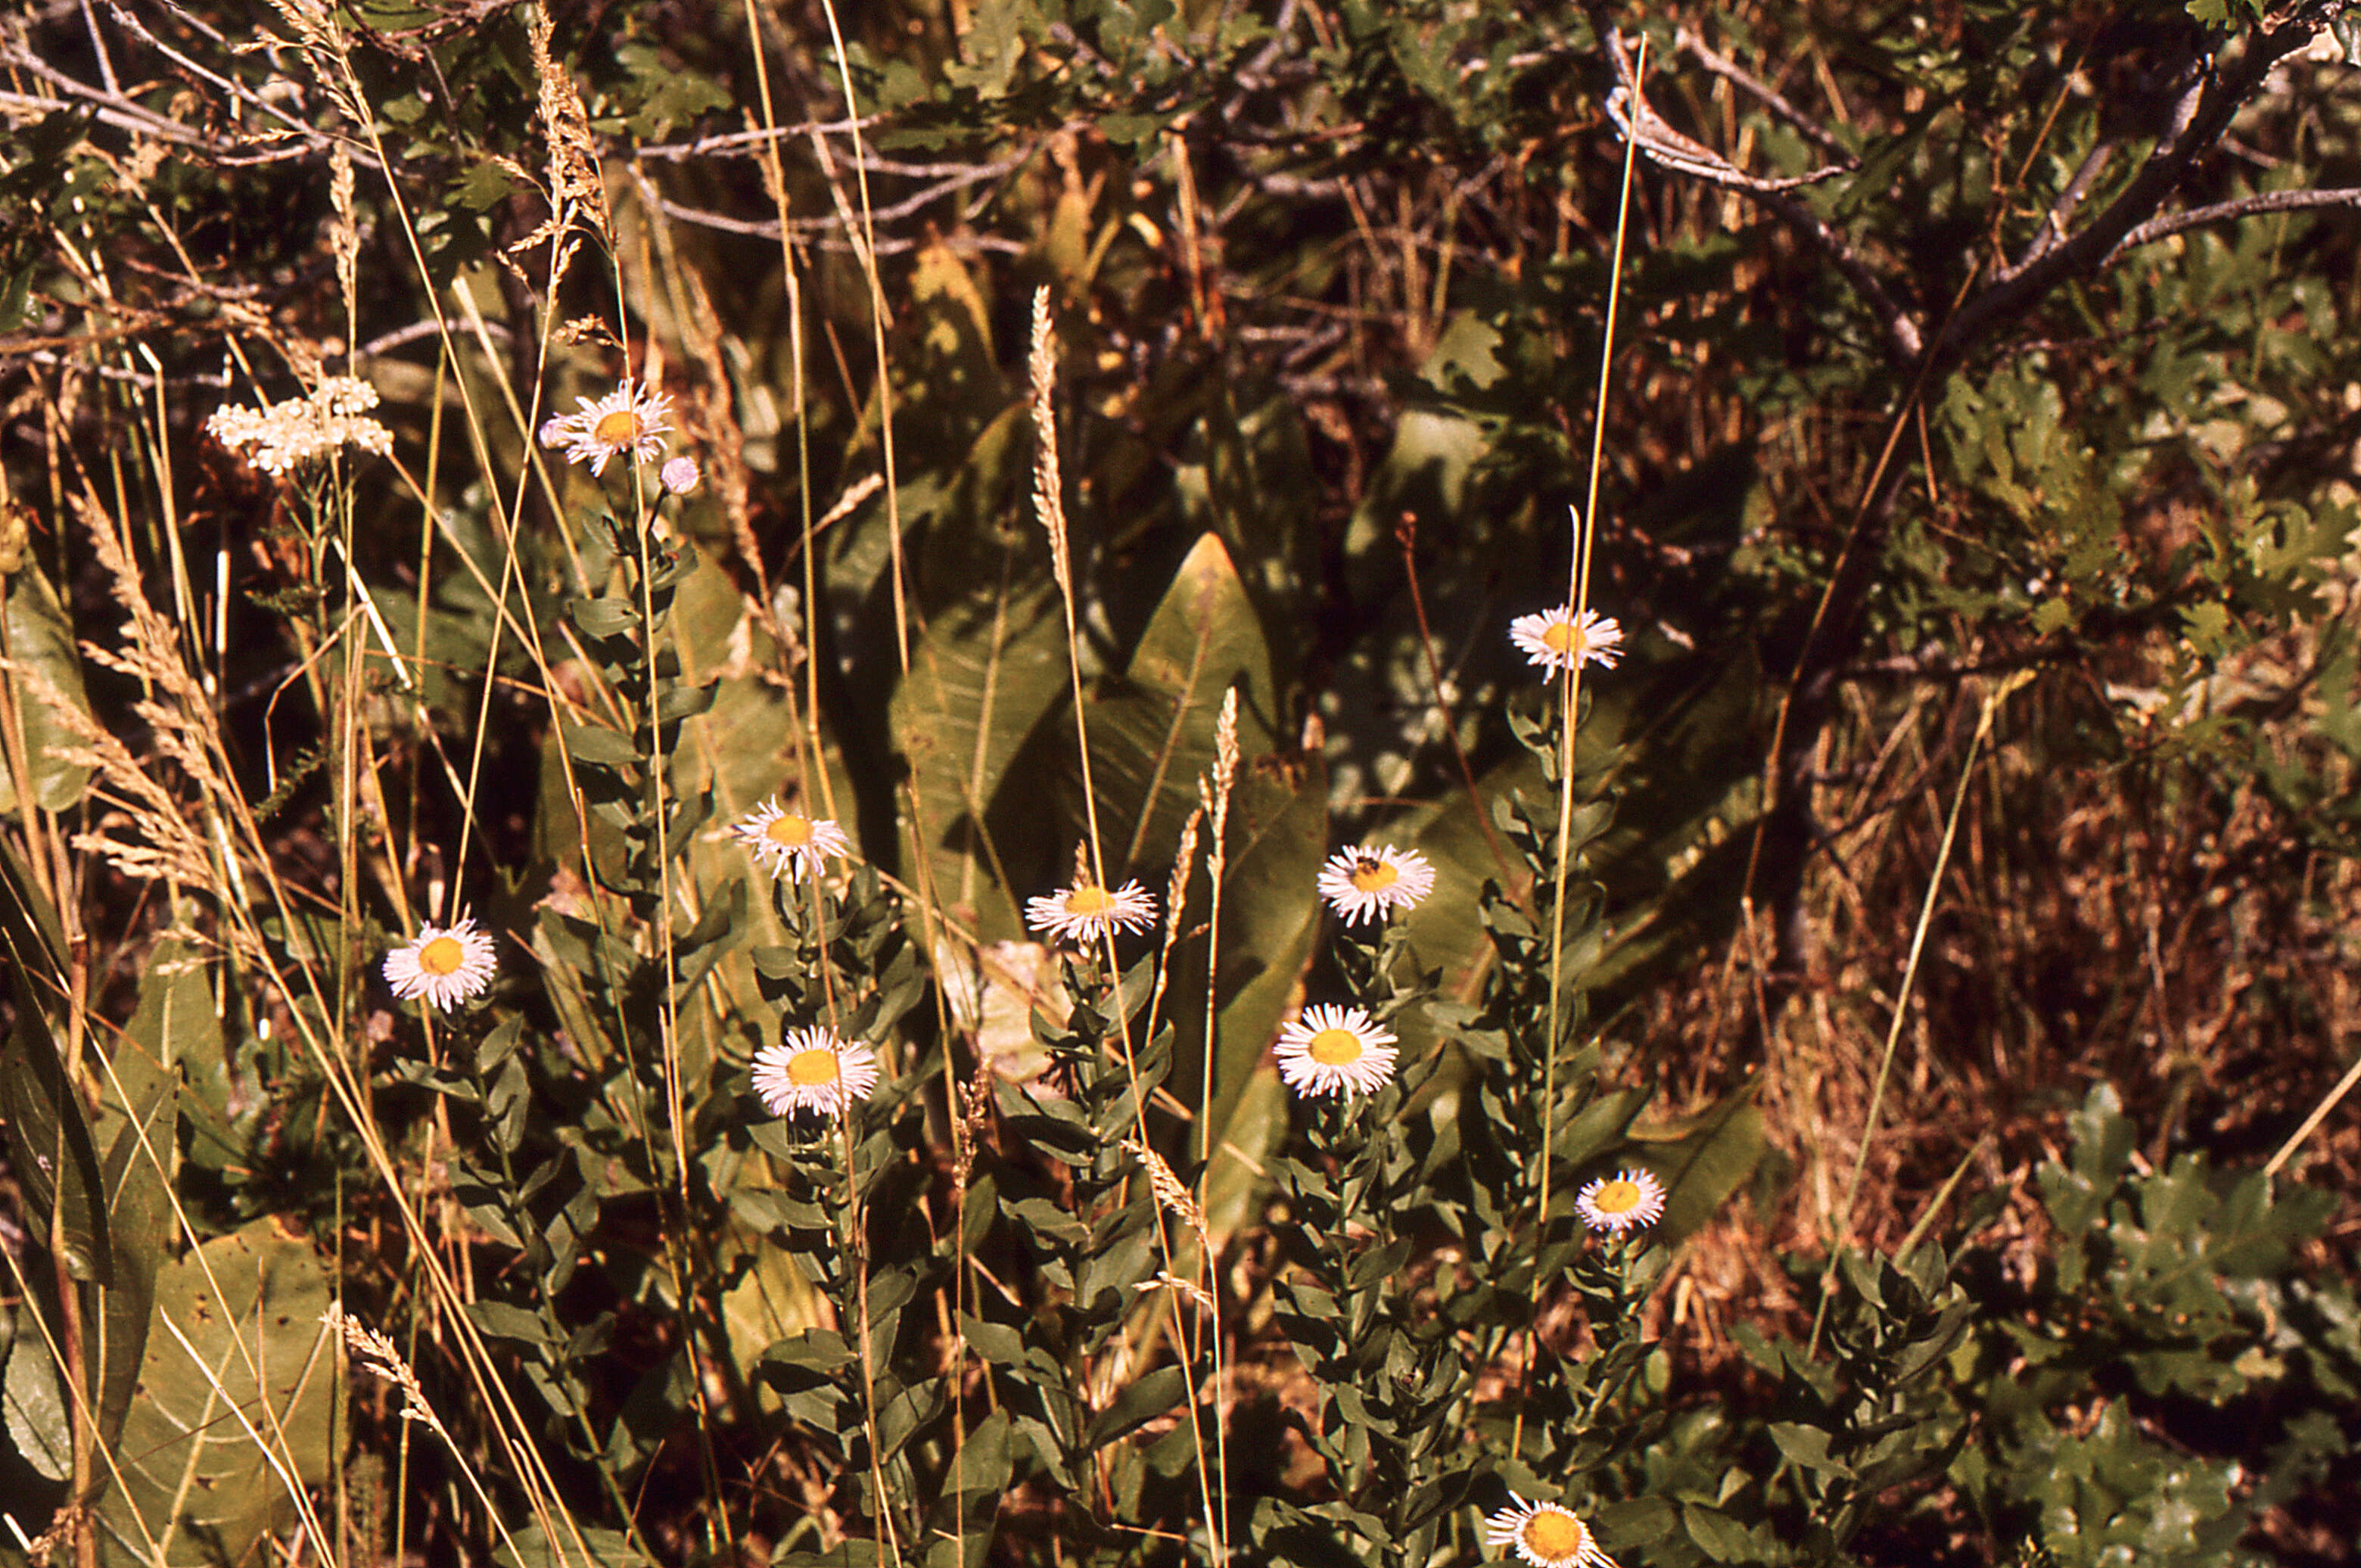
(788, 845)
(1545, 1535)
(628, 418)
(445, 965)
(1085, 912)
(1557, 640)
(1624, 1201)
(1371, 882)
(1336, 1050)
(811, 1069)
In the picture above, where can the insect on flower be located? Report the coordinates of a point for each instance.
(1370, 883)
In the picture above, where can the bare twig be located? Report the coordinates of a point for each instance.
(2198, 121)
(748, 144)
(2053, 227)
(958, 178)
(122, 114)
(1667, 149)
(131, 24)
(1628, 107)
(2155, 229)
(1762, 92)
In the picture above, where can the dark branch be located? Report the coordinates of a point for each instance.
(1666, 147)
(2198, 122)
(2155, 229)
(1764, 93)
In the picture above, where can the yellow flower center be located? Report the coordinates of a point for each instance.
(442, 956)
(1618, 1197)
(1373, 875)
(789, 832)
(617, 429)
(1554, 1537)
(1564, 636)
(1335, 1048)
(1089, 900)
(810, 1068)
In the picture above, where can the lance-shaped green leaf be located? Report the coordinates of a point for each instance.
(37, 639)
(49, 1139)
(139, 1213)
(34, 1409)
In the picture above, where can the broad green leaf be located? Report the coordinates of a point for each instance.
(1138, 1404)
(1704, 1159)
(982, 679)
(599, 746)
(177, 1025)
(139, 1215)
(531, 1546)
(1151, 730)
(1270, 917)
(29, 925)
(238, 1359)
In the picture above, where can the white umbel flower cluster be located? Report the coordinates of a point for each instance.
(302, 429)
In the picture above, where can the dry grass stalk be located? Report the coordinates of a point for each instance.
(323, 42)
(345, 233)
(1169, 1190)
(170, 846)
(1047, 482)
(577, 195)
(854, 496)
(1176, 900)
(1188, 1289)
(377, 1355)
(1216, 794)
(1226, 753)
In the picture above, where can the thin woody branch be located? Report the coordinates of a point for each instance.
(2172, 224)
(1762, 92)
(1668, 149)
(2197, 123)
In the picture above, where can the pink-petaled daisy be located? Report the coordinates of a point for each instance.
(1085, 912)
(1557, 640)
(812, 1069)
(1336, 1050)
(444, 965)
(1624, 1201)
(1545, 1535)
(1372, 882)
(678, 476)
(628, 418)
(788, 845)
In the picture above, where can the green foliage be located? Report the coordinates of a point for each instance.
(235, 1402)
(1083, 1280)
